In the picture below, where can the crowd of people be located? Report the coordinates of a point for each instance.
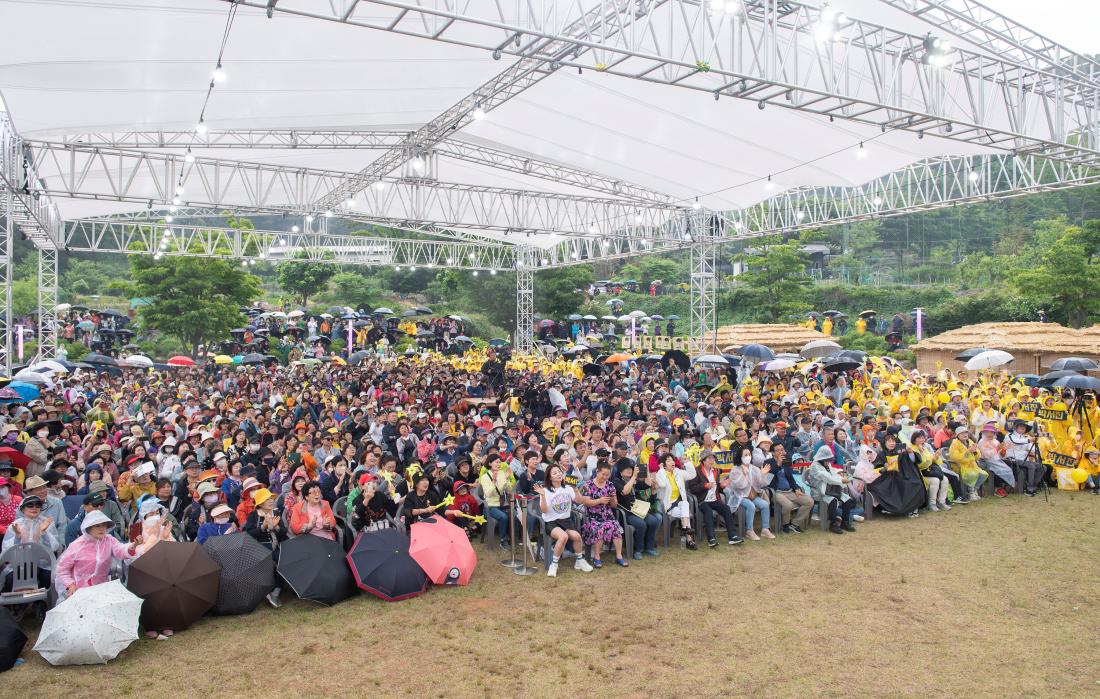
(582, 459)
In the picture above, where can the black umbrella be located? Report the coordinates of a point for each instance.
(248, 572)
(383, 567)
(591, 369)
(1075, 363)
(425, 333)
(323, 339)
(760, 353)
(423, 310)
(409, 313)
(100, 359)
(1078, 383)
(858, 355)
(360, 323)
(178, 581)
(130, 346)
(358, 357)
(867, 314)
(1050, 377)
(253, 358)
(679, 358)
(315, 569)
(970, 353)
(112, 312)
(892, 336)
(832, 313)
(12, 640)
(837, 364)
(813, 314)
(649, 358)
(238, 331)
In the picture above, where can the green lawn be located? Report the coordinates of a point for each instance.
(997, 598)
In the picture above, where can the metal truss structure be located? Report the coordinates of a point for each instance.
(1025, 95)
(175, 239)
(380, 139)
(774, 52)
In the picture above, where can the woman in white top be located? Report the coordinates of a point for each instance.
(748, 490)
(556, 503)
(673, 494)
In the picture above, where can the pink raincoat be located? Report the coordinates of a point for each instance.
(88, 560)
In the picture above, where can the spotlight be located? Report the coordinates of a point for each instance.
(496, 55)
(973, 176)
(294, 229)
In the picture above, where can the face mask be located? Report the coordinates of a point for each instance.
(3, 492)
(152, 520)
(42, 434)
(11, 437)
(746, 459)
(221, 520)
(209, 499)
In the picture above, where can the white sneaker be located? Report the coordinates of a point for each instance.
(857, 518)
(552, 570)
(583, 565)
(933, 508)
(974, 497)
(752, 536)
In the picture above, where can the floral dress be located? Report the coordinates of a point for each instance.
(599, 521)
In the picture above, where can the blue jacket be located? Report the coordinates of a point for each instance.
(209, 529)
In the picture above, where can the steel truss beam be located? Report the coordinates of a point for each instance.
(516, 78)
(7, 235)
(34, 214)
(527, 261)
(86, 172)
(183, 240)
(777, 52)
(312, 139)
(47, 304)
(980, 25)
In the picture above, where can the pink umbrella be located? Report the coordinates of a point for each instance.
(180, 360)
(443, 551)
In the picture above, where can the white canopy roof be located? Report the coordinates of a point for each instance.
(111, 66)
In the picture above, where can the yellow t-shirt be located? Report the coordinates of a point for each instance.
(674, 493)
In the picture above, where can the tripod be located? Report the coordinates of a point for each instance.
(1037, 451)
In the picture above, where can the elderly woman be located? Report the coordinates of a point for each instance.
(9, 504)
(600, 526)
(87, 561)
(32, 527)
(634, 490)
(747, 489)
(265, 526)
(673, 495)
(219, 523)
(990, 458)
(829, 488)
(313, 515)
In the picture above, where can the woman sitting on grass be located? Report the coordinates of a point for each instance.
(556, 503)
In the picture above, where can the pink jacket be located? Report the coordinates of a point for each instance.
(88, 560)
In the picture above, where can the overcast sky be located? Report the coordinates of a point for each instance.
(1073, 23)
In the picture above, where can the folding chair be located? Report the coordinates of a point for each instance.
(24, 561)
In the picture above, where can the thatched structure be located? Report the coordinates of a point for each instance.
(1035, 345)
(779, 337)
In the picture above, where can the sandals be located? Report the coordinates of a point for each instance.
(597, 563)
(622, 562)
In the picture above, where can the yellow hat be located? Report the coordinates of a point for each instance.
(261, 496)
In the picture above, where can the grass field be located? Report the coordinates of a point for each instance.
(997, 598)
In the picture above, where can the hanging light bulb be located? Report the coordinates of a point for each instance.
(478, 114)
(294, 229)
(169, 218)
(475, 272)
(379, 185)
(328, 214)
(878, 201)
(189, 157)
(493, 272)
(219, 74)
(200, 128)
(309, 219)
(696, 205)
(973, 176)
(179, 190)
(638, 217)
(418, 163)
(176, 201)
(282, 241)
(862, 152)
(769, 184)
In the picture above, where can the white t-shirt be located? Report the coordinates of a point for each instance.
(559, 502)
(1018, 446)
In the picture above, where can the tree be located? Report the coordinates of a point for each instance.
(559, 292)
(1064, 272)
(304, 278)
(355, 290)
(194, 299)
(779, 276)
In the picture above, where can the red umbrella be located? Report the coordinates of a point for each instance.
(180, 360)
(17, 458)
(443, 550)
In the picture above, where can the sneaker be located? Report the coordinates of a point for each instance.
(637, 556)
(848, 527)
(767, 534)
(712, 542)
(913, 515)
(735, 540)
(974, 497)
(1001, 493)
(836, 528)
(933, 508)
(945, 507)
(504, 546)
(788, 529)
(857, 518)
(652, 552)
(273, 600)
(795, 528)
(959, 501)
(583, 566)
(552, 570)
(751, 536)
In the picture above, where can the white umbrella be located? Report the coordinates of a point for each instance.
(295, 314)
(63, 306)
(28, 376)
(714, 359)
(778, 365)
(139, 361)
(280, 314)
(92, 626)
(989, 360)
(637, 314)
(819, 348)
(625, 319)
(48, 367)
